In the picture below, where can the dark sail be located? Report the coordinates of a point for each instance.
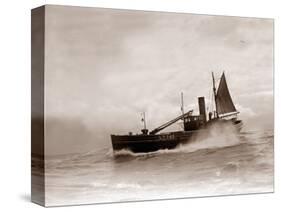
(223, 98)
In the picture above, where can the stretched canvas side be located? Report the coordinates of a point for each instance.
(37, 105)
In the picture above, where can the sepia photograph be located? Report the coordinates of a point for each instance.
(131, 105)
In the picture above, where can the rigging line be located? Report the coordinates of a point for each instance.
(212, 102)
(209, 99)
(216, 83)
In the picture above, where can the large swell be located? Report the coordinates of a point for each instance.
(215, 164)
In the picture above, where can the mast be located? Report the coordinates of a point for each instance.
(182, 106)
(144, 130)
(144, 121)
(215, 95)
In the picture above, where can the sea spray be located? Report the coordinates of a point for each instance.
(217, 136)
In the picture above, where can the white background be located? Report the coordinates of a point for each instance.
(15, 104)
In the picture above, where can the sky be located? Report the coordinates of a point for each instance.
(104, 67)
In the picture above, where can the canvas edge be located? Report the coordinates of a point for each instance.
(37, 105)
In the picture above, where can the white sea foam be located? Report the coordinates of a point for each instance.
(128, 185)
(217, 137)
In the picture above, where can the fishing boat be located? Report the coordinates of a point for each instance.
(224, 114)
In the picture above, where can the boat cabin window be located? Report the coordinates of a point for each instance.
(193, 118)
(187, 119)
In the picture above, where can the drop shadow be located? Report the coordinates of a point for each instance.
(25, 197)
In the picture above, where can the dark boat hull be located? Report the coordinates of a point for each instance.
(151, 143)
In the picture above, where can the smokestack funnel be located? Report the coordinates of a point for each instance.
(202, 109)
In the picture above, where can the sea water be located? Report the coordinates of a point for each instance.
(239, 163)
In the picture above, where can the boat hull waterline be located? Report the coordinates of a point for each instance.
(150, 143)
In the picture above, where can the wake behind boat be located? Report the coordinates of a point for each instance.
(224, 114)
